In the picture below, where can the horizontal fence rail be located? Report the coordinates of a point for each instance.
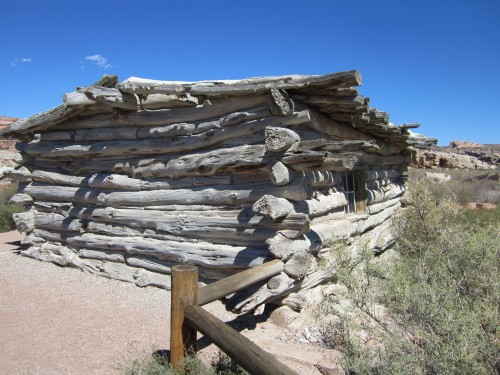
(188, 317)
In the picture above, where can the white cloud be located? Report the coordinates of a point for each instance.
(16, 62)
(100, 60)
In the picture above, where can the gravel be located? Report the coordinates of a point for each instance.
(57, 320)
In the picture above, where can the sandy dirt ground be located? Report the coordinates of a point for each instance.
(56, 320)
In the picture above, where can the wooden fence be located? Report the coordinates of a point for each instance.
(188, 317)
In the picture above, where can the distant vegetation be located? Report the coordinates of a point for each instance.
(435, 310)
(6, 210)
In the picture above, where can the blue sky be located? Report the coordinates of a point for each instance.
(432, 62)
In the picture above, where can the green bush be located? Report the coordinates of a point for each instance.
(6, 209)
(440, 297)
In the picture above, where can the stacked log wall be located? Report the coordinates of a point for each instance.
(225, 185)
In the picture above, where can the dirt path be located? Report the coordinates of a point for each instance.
(56, 320)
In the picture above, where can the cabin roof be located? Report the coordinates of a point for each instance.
(333, 95)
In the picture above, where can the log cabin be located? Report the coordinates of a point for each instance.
(127, 179)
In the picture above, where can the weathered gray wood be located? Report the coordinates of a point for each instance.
(160, 131)
(375, 174)
(21, 198)
(21, 174)
(243, 279)
(121, 182)
(337, 146)
(162, 101)
(378, 207)
(243, 351)
(281, 284)
(298, 264)
(105, 95)
(280, 103)
(25, 221)
(273, 207)
(283, 247)
(59, 222)
(108, 256)
(321, 204)
(383, 194)
(320, 160)
(202, 254)
(209, 109)
(280, 139)
(159, 146)
(249, 86)
(40, 121)
(279, 173)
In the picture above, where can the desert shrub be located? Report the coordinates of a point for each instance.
(440, 306)
(6, 209)
(158, 365)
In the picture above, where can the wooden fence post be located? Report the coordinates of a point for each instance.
(184, 294)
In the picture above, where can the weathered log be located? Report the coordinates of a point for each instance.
(59, 222)
(178, 222)
(298, 265)
(249, 86)
(279, 173)
(40, 121)
(60, 255)
(375, 174)
(337, 146)
(108, 96)
(160, 131)
(158, 146)
(121, 182)
(21, 198)
(281, 284)
(21, 174)
(378, 207)
(283, 247)
(321, 204)
(280, 103)
(25, 221)
(273, 207)
(161, 101)
(383, 194)
(235, 345)
(280, 139)
(216, 195)
(108, 256)
(321, 178)
(209, 109)
(314, 161)
(243, 279)
(202, 254)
